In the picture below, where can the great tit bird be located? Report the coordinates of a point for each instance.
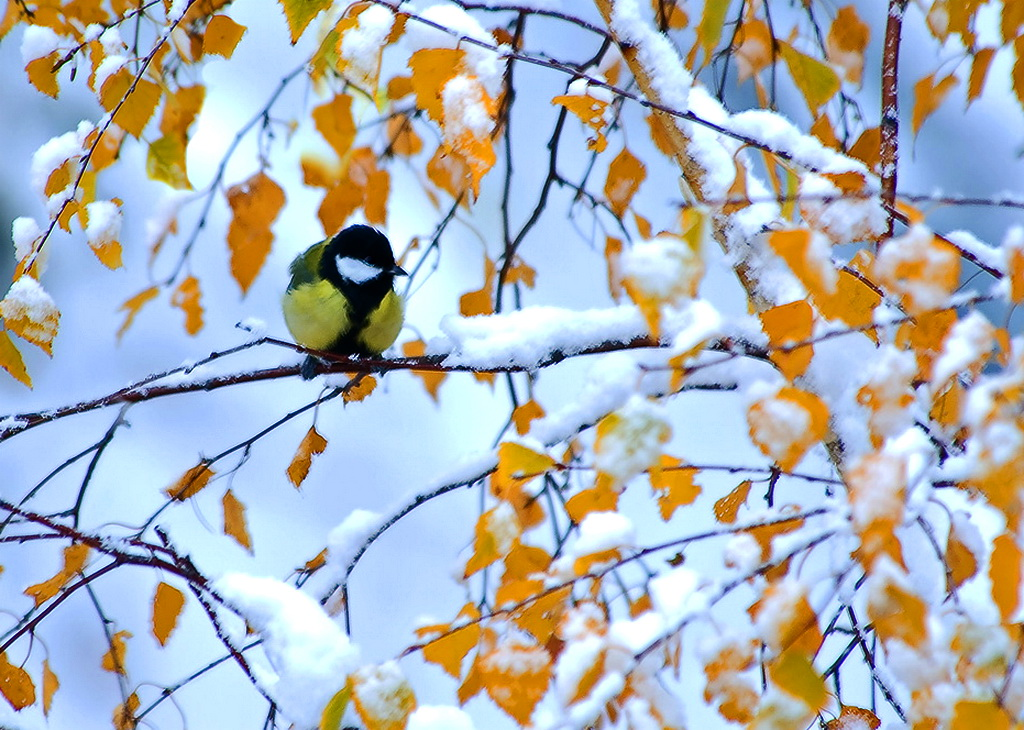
(341, 296)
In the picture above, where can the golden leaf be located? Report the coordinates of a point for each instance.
(518, 462)
(312, 444)
(50, 686)
(496, 534)
(180, 110)
(601, 498)
(786, 425)
(591, 112)
(383, 698)
(334, 710)
(973, 714)
(431, 69)
(113, 660)
(255, 205)
(404, 141)
(334, 122)
(709, 31)
(928, 96)
(515, 674)
(794, 674)
(431, 380)
(674, 485)
(165, 162)
(11, 361)
(191, 482)
(625, 174)
(525, 414)
(15, 684)
(299, 14)
(74, 558)
(727, 508)
(784, 325)
(816, 81)
(133, 306)
(124, 714)
(167, 604)
(186, 297)
(980, 64)
(221, 36)
(41, 74)
(1005, 572)
(29, 312)
(234, 520)
(848, 37)
(448, 650)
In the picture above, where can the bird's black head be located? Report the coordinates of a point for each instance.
(360, 262)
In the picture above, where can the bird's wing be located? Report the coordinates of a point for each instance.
(304, 267)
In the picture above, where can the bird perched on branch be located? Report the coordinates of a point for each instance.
(341, 296)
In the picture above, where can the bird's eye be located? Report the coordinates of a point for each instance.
(355, 270)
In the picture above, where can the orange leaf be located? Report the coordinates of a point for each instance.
(754, 48)
(431, 380)
(334, 122)
(960, 560)
(980, 64)
(74, 560)
(590, 111)
(897, 613)
(50, 686)
(186, 297)
(525, 414)
(601, 498)
(794, 674)
(404, 141)
(496, 534)
(431, 69)
(133, 306)
(180, 110)
(113, 660)
(41, 74)
(452, 646)
(786, 425)
(674, 484)
(807, 255)
(15, 684)
(191, 482)
(11, 361)
(450, 173)
(848, 36)
(625, 174)
(124, 714)
(312, 445)
(234, 520)
(339, 203)
(971, 715)
(1005, 571)
(255, 204)
(1017, 73)
(928, 96)
(784, 325)
(30, 313)
(516, 461)
(138, 107)
(727, 508)
(167, 604)
(299, 14)
(816, 81)
(515, 674)
(854, 718)
(221, 36)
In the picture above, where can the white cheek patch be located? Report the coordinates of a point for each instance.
(356, 271)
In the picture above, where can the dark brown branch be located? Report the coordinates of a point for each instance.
(890, 124)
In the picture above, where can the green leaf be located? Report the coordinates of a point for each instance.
(300, 13)
(166, 162)
(335, 709)
(816, 81)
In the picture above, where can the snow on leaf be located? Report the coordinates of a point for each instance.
(785, 325)
(234, 520)
(854, 718)
(312, 445)
(133, 306)
(222, 36)
(167, 604)
(877, 484)
(896, 611)
(625, 174)
(191, 482)
(629, 441)
(186, 297)
(383, 698)
(30, 313)
(255, 204)
(15, 684)
(515, 672)
(727, 508)
(497, 532)
(920, 268)
(785, 620)
(666, 270)
(784, 426)
(469, 118)
(807, 253)
(591, 112)
(113, 660)
(74, 558)
(754, 48)
(103, 231)
(362, 36)
(432, 68)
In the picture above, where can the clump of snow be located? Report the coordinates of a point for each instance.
(636, 634)
(361, 45)
(918, 269)
(255, 326)
(25, 233)
(576, 659)
(675, 594)
(54, 153)
(843, 218)
(669, 77)
(346, 540)
(38, 42)
(309, 655)
(630, 440)
(109, 66)
(381, 690)
(465, 112)
(742, 553)
(888, 391)
(104, 225)
(600, 531)
(967, 344)
(780, 609)
(27, 301)
(529, 336)
(988, 255)
(483, 62)
(112, 42)
(439, 717)
(664, 268)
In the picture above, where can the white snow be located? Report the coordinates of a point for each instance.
(669, 77)
(465, 112)
(348, 538)
(664, 268)
(484, 63)
(25, 232)
(109, 66)
(968, 343)
(361, 46)
(600, 531)
(675, 594)
(634, 442)
(439, 717)
(55, 152)
(309, 655)
(38, 42)
(27, 300)
(104, 225)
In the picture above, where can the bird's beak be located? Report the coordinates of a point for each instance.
(398, 271)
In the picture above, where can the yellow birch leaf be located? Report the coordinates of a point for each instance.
(74, 558)
(431, 69)
(898, 614)
(601, 498)
(613, 258)
(448, 650)
(1005, 572)
(360, 390)
(674, 485)
(816, 81)
(928, 96)
(138, 107)
(186, 297)
(15, 684)
(709, 31)
(299, 14)
(404, 141)
(334, 710)
(728, 507)
(625, 174)
(813, 267)
(981, 61)
(1017, 73)
(516, 461)
(191, 482)
(376, 193)
(334, 122)
(312, 445)
(124, 714)
(11, 361)
(167, 604)
(795, 675)
(234, 520)
(540, 617)
(590, 111)
(338, 204)
(515, 674)
(496, 534)
(450, 173)
(42, 76)
(431, 380)
(786, 425)
(133, 306)
(854, 302)
(784, 325)
(383, 698)
(113, 660)
(222, 36)
(255, 205)
(960, 561)
(525, 414)
(847, 39)
(867, 148)
(754, 48)
(50, 686)
(180, 110)
(165, 162)
(30, 313)
(1011, 21)
(971, 715)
